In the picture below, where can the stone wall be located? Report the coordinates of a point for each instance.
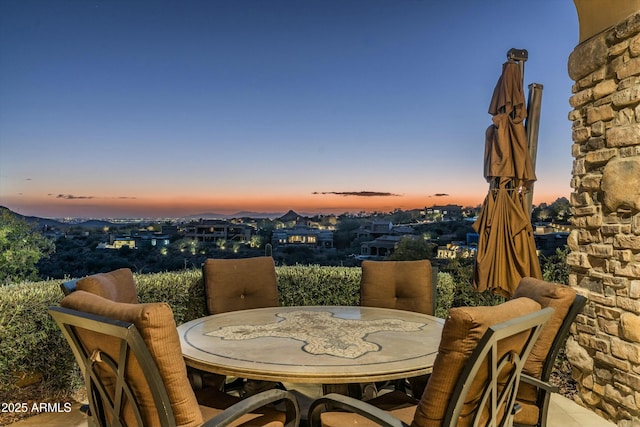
(605, 241)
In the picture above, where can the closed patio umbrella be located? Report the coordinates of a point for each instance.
(506, 247)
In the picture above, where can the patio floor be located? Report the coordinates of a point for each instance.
(562, 413)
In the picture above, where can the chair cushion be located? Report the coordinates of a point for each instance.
(347, 419)
(462, 331)
(156, 325)
(117, 285)
(240, 284)
(529, 412)
(403, 285)
(547, 294)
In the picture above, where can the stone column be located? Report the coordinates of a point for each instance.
(605, 241)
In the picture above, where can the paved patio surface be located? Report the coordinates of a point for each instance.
(562, 413)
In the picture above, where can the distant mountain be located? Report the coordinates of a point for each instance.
(290, 216)
(206, 215)
(47, 222)
(249, 214)
(241, 214)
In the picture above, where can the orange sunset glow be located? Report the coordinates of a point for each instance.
(275, 204)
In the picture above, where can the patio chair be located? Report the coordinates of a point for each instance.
(239, 284)
(403, 285)
(130, 357)
(475, 375)
(117, 285)
(535, 388)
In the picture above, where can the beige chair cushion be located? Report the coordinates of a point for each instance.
(117, 285)
(240, 284)
(529, 412)
(156, 325)
(560, 297)
(464, 327)
(403, 285)
(347, 419)
(547, 294)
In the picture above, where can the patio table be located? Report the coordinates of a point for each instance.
(313, 344)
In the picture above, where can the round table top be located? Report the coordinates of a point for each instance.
(313, 344)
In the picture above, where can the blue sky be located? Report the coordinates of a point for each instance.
(159, 108)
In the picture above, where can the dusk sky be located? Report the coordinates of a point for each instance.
(171, 108)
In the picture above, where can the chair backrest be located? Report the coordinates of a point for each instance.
(239, 284)
(131, 360)
(477, 371)
(568, 304)
(117, 285)
(403, 285)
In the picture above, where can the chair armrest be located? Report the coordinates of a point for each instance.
(539, 384)
(257, 401)
(350, 404)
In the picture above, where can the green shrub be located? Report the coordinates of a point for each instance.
(445, 294)
(316, 285)
(31, 343)
(182, 290)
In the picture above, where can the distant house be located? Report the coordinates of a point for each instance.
(548, 241)
(374, 229)
(384, 238)
(119, 242)
(299, 231)
(379, 248)
(456, 250)
(445, 212)
(212, 230)
(302, 235)
(154, 239)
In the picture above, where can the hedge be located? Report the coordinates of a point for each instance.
(32, 346)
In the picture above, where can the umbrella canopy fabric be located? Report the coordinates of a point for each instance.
(506, 149)
(506, 248)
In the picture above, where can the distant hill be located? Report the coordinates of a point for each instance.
(47, 222)
(249, 214)
(290, 216)
(241, 214)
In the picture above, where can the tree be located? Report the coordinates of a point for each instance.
(409, 248)
(345, 232)
(21, 247)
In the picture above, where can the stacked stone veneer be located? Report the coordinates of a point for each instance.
(604, 257)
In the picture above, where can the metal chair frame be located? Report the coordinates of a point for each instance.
(492, 398)
(69, 286)
(105, 409)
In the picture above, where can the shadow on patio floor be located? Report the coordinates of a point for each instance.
(562, 412)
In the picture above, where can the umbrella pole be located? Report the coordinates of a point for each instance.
(532, 126)
(520, 56)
